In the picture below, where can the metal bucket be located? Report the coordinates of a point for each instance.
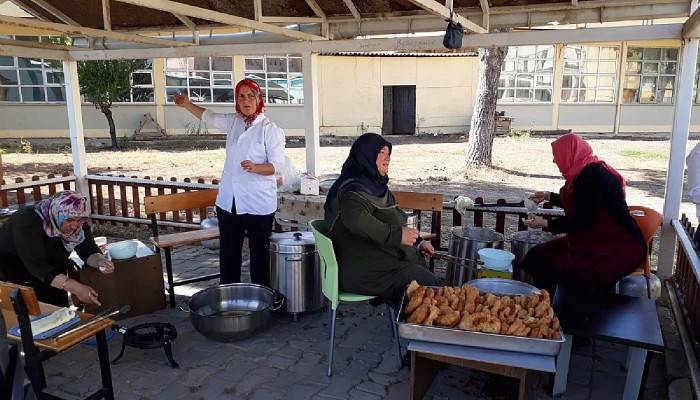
(233, 311)
(295, 270)
(520, 245)
(465, 242)
(210, 222)
(411, 220)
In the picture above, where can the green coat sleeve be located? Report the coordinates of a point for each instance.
(357, 217)
(29, 243)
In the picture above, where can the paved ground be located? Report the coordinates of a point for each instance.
(288, 361)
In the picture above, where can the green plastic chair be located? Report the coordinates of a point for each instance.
(329, 277)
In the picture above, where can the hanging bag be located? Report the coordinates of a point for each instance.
(453, 34)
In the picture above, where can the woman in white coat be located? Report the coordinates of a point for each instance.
(247, 198)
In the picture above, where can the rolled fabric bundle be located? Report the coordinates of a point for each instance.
(53, 320)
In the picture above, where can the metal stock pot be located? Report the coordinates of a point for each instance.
(233, 311)
(295, 270)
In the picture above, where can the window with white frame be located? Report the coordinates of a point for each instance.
(527, 75)
(142, 89)
(280, 78)
(589, 74)
(205, 79)
(28, 80)
(650, 75)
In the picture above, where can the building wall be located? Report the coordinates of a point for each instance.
(528, 116)
(351, 92)
(587, 117)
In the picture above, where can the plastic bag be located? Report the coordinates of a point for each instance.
(288, 177)
(453, 36)
(462, 203)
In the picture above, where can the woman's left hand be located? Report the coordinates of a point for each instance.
(248, 166)
(535, 222)
(100, 262)
(426, 248)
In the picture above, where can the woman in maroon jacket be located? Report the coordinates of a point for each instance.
(603, 243)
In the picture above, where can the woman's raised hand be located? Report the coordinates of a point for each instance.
(540, 196)
(84, 293)
(535, 221)
(409, 236)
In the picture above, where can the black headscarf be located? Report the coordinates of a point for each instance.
(360, 171)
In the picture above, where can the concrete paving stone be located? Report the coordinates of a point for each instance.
(308, 368)
(369, 357)
(581, 376)
(280, 362)
(301, 392)
(356, 394)
(382, 379)
(585, 362)
(299, 345)
(266, 394)
(580, 392)
(606, 386)
(194, 376)
(339, 387)
(372, 387)
(356, 368)
(608, 366)
(290, 352)
(397, 392)
(680, 389)
(249, 385)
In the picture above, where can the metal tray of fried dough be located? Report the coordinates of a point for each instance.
(436, 334)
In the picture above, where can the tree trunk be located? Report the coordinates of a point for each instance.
(481, 130)
(112, 129)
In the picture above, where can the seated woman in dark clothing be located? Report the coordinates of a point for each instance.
(603, 242)
(377, 255)
(35, 243)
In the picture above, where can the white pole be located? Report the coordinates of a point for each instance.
(676, 162)
(311, 113)
(75, 124)
(159, 90)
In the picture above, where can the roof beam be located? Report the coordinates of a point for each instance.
(485, 20)
(71, 30)
(292, 20)
(29, 10)
(107, 15)
(313, 5)
(55, 12)
(38, 45)
(186, 21)
(691, 28)
(228, 19)
(574, 3)
(438, 9)
(415, 43)
(353, 9)
(32, 52)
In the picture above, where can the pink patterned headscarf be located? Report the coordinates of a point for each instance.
(57, 209)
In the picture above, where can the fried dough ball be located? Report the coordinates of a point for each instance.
(416, 300)
(430, 293)
(541, 309)
(481, 322)
(448, 319)
(442, 301)
(434, 313)
(412, 288)
(420, 314)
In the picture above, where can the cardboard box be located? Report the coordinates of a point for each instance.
(137, 282)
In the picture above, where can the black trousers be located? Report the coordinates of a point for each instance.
(232, 228)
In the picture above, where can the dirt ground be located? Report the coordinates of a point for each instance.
(521, 165)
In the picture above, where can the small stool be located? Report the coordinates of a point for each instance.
(149, 335)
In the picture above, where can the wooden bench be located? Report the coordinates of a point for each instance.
(200, 199)
(419, 202)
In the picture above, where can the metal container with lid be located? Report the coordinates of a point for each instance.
(520, 245)
(465, 242)
(295, 270)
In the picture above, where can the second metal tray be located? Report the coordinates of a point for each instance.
(494, 341)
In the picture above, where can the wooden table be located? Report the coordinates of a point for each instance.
(49, 347)
(427, 357)
(631, 321)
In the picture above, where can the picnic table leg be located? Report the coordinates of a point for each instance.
(169, 271)
(524, 387)
(562, 374)
(635, 370)
(105, 371)
(423, 371)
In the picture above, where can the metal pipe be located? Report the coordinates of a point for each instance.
(685, 338)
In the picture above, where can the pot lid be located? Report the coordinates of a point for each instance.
(293, 238)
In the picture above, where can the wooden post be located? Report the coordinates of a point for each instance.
(75, 124)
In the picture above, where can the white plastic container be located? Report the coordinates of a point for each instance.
(309, 185)
(122, 250)
(497, 263)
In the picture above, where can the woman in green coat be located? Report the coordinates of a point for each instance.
(377, 255)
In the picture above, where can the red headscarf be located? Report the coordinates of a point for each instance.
(572, 154)
(261, 101)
